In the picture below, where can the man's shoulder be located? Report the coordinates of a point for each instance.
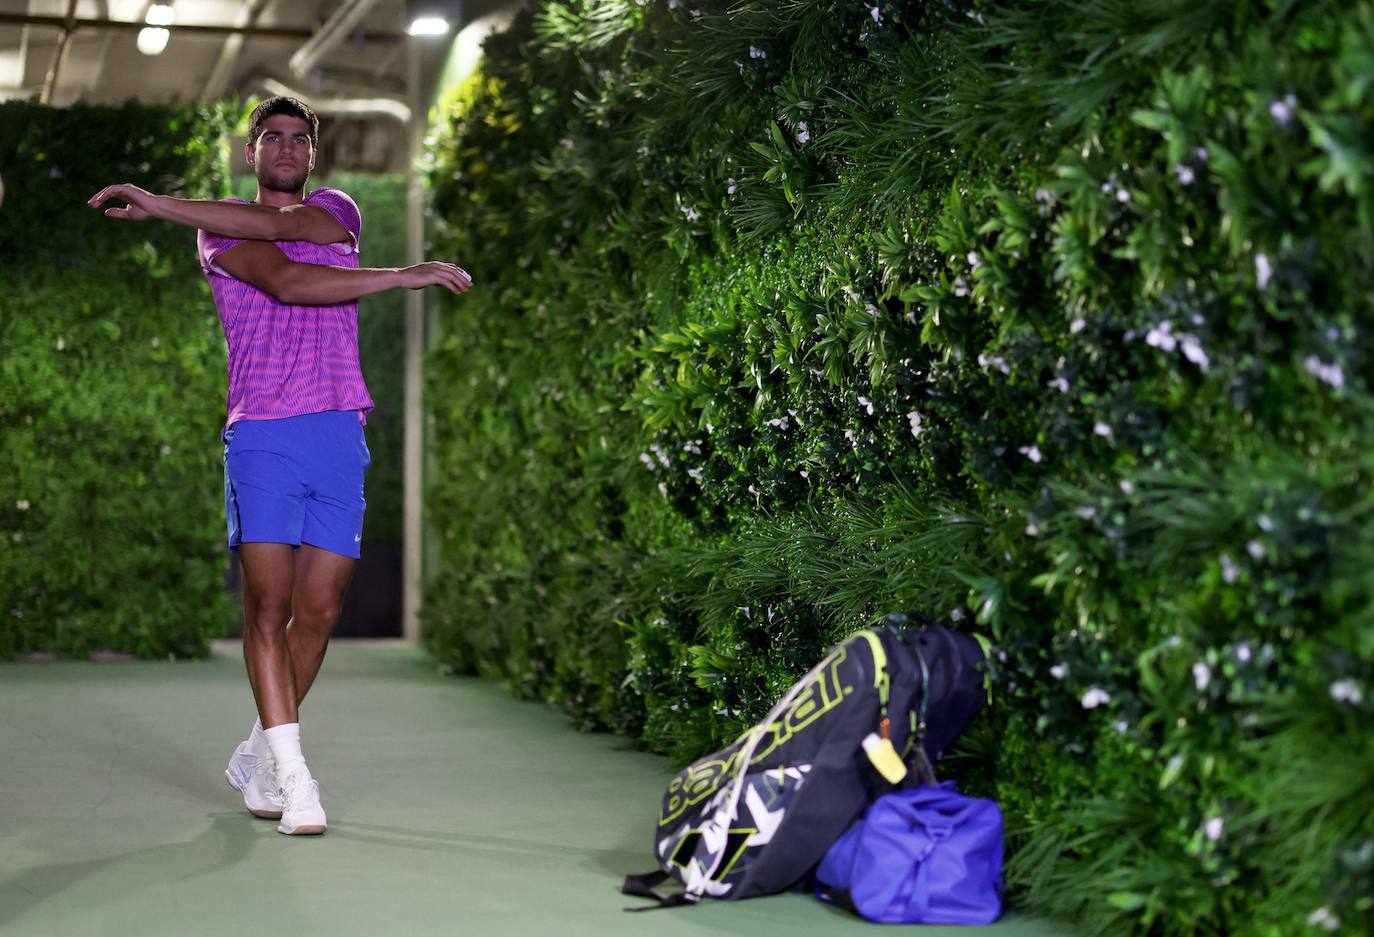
(329, 193)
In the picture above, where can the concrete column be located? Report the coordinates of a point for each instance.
(413, 556)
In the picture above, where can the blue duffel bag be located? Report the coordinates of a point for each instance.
(925, 855)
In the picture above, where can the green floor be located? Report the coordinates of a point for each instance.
(453, 810)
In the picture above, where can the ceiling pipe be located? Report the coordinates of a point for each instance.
(331, 32)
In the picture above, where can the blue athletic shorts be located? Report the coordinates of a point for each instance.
(297, 480)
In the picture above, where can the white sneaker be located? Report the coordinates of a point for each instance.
(302, 814)
(256, 776)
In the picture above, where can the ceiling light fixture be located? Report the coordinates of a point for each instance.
(153, 38)
(430, 17)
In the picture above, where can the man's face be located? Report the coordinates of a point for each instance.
(283, 156)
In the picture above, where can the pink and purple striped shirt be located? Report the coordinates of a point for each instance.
(290, 360)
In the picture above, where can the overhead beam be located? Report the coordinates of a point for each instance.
(257, 32)
(332, 31)
(59, 55)
(218, 81)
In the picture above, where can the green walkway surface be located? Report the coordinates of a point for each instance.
(453, 810)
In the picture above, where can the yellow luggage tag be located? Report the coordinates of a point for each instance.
(884, 757)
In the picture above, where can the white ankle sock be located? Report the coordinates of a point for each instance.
(257, 742)
(285, 742)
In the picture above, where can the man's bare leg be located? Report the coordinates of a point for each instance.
(321, 578)
(269, 576)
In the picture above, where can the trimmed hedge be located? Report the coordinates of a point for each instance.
(112, 388)
(1047, 318)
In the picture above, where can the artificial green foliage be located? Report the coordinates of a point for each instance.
(112, 388)
(381, 338)
(1048, 319)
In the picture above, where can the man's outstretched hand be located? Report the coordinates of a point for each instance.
(141, 203)
(436, 273)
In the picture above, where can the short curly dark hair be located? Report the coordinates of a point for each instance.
(282, 105)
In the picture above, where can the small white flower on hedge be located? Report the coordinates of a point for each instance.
(1185, 173)
(956, 615)
(695, 473)
(1031, 452)
(1095, 697)
(730, 186)
(1059, 671)
(1123, 196)
(16, 536)
(1127, 487)
(1102, 429)
(1265, 523)
(1230, 572)
(166, 450)
(1323, 918)
(876, 14)
(22, 505)
(156, 342)
(1202, 676)
(1255, 549)
(960, 287)
(1347, 691)
(60, 344)
(674, 4)
(1044, 196)
(779, 422)
(1077, 325)
(1060, 384)
(974, 260)
(1263, 270)
(662, 456)
(648, 461)
(803, 134)
(1200, 154)
(849, 435)
(1122, 726)
(866, 404)
(663, 489)
(691, 212)
(1087, 512)
(803, 473)
(1213, 828)
(1193, 351)
(1282, 110)
(1161, 336)
(756, 53)
(914, 419)
(1331, 374)
(994, 361)
(1032, 530)
(1243, 652)
(697, 14)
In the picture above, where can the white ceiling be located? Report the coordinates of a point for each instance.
(104, 65)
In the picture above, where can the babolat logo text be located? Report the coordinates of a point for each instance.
(822, 694)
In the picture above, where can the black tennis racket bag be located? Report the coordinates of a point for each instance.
(757, 817)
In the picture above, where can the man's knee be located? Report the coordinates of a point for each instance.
(265, 615)
(316, 614)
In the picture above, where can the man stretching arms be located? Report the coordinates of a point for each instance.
(284, 273)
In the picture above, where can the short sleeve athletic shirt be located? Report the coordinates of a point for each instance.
(290, 360)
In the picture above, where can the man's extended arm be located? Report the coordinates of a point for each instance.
(236, 220)
(302, 284)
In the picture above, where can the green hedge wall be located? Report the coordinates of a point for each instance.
(112, 386)
(1047, 318)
